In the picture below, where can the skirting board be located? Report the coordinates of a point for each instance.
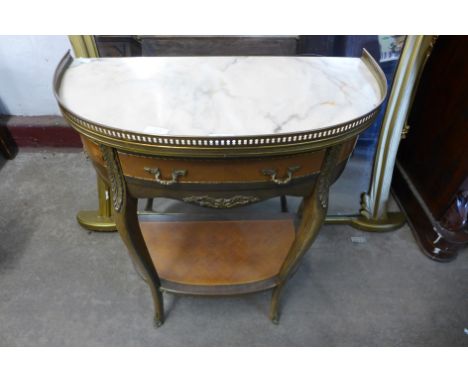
(40, 131)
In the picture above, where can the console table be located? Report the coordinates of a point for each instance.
(219, 132)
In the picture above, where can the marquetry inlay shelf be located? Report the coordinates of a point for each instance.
(227, 254)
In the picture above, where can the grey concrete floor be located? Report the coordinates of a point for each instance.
(61, 285)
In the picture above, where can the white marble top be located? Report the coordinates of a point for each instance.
(219, 96)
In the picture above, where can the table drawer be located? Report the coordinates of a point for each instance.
(168, 171)
(278, 170)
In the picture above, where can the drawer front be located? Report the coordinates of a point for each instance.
(169, 171)
(276, 170)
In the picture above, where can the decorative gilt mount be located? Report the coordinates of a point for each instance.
(176, 174)
(208, 201)
(116, 181)
(274, 177)
(326, 173)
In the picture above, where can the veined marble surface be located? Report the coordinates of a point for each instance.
(219, 96)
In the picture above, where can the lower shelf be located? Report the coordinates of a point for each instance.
(215, 256)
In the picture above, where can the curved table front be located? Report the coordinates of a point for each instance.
(220, 132)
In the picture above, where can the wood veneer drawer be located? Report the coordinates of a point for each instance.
(174, 170)
(167, 171)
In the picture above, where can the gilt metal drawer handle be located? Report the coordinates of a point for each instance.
(272, 174)
(157, 176)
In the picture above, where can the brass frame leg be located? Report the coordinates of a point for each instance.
(391, 222)
(313, 210)
(102, 219)
(126, 220)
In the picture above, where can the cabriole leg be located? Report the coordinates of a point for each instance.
(313, 211)
(126, 219)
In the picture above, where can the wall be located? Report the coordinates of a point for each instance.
(27, 65)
